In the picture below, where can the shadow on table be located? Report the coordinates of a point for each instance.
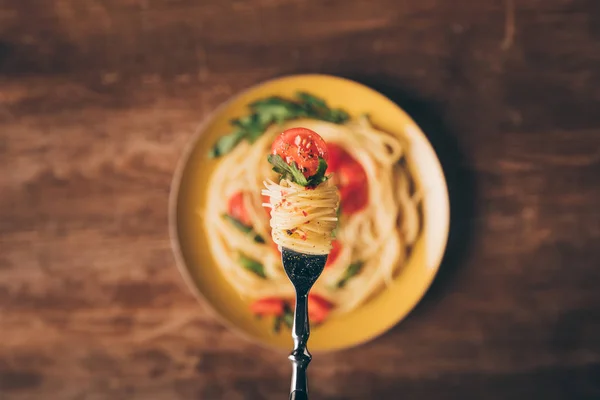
(461, 182)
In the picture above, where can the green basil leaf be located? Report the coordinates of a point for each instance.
(297, 175)
(277, 109)
(244, 228)
(287, 171)
(337, 116)
(277, 324)
(291, 171)
(352, 270)
(253, 125)
(226, 143)
(252, 265)
(237, 223)
(311, 100)
(319, 176)
(288, 317)
(279, 165)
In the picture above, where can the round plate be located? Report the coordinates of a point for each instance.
(374, 317)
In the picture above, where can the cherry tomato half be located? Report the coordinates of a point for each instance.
(336, 247)
(350, 178)
(318, 308)
(302, 146)
(268, 306)
(237, 209)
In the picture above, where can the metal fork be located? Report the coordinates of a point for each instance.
(302, 270)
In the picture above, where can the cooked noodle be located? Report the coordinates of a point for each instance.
(302, 219)
(378, 236)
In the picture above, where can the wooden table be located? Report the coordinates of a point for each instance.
(98, 98)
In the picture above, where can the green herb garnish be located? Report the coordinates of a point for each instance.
(251, 125)
(287, 319)
(310, 100)
(252, 265)
(277, 324)
(317, 108)
(287, 171)
(226, 143)
(244, 228)
(291, 171)
(288, 316)
(337, 226)
(276, 109)
(352, 270)
(271, 110)
(319, 176)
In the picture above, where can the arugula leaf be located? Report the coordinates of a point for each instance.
(311, 100)
(287, 171)
(252, 265)
(297, 175)
(319, 176)
(271, 110)
(244, 228)
(287, 319)
(226, 143)
(317, 108)
(277, 109)
(237, 223)
(277, 324)
(252, 125)
(337, 116)
(352, 270)
(288, 316)
(291, 171)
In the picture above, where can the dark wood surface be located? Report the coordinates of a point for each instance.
(98, 98)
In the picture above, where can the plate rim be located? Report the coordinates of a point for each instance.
(174, 191)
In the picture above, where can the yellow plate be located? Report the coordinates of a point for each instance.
(376, 316)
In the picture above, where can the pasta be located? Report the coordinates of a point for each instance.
(378, 223)
(302, 219)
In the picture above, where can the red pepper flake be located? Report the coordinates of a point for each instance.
(304, 213)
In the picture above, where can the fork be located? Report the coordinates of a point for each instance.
(302, 270)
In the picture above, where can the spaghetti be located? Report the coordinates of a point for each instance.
(379, 220)
(302, 219)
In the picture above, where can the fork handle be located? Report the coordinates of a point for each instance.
(297, 395)
(300, 357)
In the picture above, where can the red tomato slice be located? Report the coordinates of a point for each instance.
(336, 247)
(302, 146)
(337, 155)
(353, 199)
(353, 186)
(318, 308)
(268, 306)
(350, 177)
(237, 210)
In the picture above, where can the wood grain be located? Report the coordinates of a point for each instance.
(98, 98)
